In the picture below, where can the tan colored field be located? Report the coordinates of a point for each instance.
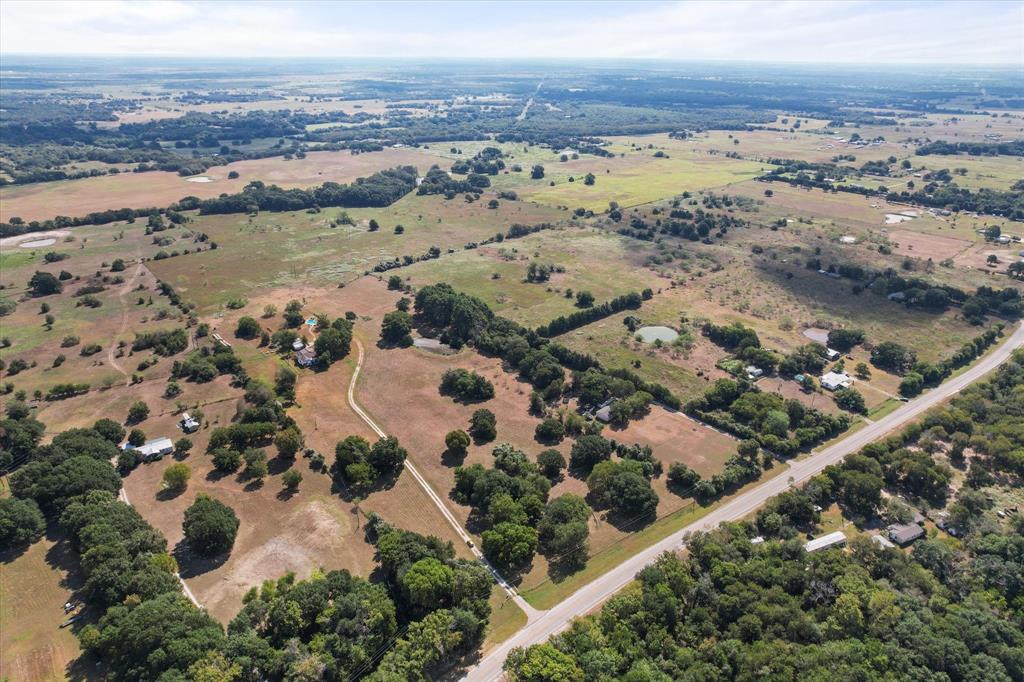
(34, 585)
(765, 144)
(674, 437)
(40, 201)
(315, 528)
(163, 109)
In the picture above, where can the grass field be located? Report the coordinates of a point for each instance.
(604, 264)
(281, 249)
(993, 172)
(36, 584)
(43, 200)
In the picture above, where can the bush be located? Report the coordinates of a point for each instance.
(850, 400)
(226, 460)
(176, 476)
(210, 526)
(138, 412)
(465, 385)
(457, 442)
(291, 480)
(396, 328)
(551, 463)
(483, 426)
(248, 328)
(288, 442)
(549, 431)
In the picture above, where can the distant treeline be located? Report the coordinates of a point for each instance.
(383, 188)
(1007, 148)
(564, 323)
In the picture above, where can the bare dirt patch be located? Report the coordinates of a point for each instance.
(936, 247)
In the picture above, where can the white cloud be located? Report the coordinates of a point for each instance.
(757, 31)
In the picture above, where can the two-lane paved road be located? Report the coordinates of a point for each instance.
(590, 596)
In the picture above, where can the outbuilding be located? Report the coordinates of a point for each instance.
(188, 424)
(835, 539)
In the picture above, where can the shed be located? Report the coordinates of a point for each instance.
(754, 372)
(298, 345)
(835, 539)
(604, 413)
(882, 542)
(188, 424)
(832, 354)
(904, 534)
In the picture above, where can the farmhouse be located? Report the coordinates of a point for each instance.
(305, 357)
(905, 534)
(836, 539)
(152, 449)
(833, 381)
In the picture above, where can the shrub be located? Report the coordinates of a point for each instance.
(176, 476)
(457, 442)
(549, 431)
(483, 426)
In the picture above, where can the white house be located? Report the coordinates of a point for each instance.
(836, 539)
(833, 381)
(298, 345)
(152, 449)
(832, 354)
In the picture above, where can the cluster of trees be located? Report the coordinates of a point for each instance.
(945, 147)
(437, 181)
(359, 465)
(165, 342)
(509, 499)
(466, 386)
(917, 375)
(207, 363)
(781, 426)
(488, 161)
(694, 225)
(383, 188)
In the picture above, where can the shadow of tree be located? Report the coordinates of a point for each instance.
(190, 564)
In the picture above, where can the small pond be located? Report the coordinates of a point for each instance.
(652, 334)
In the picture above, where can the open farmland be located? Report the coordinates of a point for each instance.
(43, 200)
(36, 584)
(275, 249)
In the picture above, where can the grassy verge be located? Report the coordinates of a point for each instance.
(506, 618)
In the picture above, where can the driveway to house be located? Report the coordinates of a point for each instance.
(547, 623)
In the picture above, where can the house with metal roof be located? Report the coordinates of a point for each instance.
(835, 539)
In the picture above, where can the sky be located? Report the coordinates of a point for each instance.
(973, 32)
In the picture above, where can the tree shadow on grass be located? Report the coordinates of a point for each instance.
(168, 494)
(216, 474)
(349, 495)
(279, 465)
(285, 494)
(450, 458)
(191, 565)
(559, 571)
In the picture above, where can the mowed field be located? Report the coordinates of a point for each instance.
(604, 264)
(36, 584)
(282, 249)
(43, 200)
